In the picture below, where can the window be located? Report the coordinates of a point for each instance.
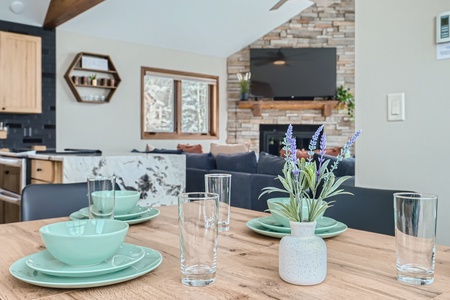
(178, 105)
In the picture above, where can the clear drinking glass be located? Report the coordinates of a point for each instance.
(221, 185)
(197, 218)
(101, 196)
(415, 235)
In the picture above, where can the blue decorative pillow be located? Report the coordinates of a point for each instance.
(203, 161)
(238, 162)
(270, 164)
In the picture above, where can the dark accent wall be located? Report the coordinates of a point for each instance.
(25, 130)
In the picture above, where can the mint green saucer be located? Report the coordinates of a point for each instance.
(323, 224)
(256, 226)
(44, 262)
(151, 260)
(135, 212)
(153, 212)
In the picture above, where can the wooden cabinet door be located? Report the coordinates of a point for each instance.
(46, 171)
(20, 73)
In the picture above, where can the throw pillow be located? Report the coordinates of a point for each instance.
(228, 148)
(204, 161)
(166, 151)
(149, 148)
(237, 162)
(270, 164)
(190, 148)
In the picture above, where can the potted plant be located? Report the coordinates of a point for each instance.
(303, 255)
(93, 79)
(244, 82)
(346, 99)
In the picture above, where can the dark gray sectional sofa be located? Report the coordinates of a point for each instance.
(249, 175)
(367, 209)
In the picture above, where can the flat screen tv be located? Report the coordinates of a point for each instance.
(293, 73)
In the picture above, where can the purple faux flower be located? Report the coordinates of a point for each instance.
(345, 150)
(313, 143)
(323, 144)
(291, 146)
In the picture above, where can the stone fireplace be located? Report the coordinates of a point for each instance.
(271, 136)
(331, 26)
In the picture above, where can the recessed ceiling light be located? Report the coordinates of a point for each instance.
(17, 7)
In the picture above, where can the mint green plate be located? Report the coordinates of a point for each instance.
(44, 262)
(256, 226)
(153, 212)
(323, 224)
(135, 212)
(151, 260)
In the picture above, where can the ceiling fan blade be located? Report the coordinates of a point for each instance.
(279, 3)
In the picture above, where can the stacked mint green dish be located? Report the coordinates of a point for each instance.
(85, 253)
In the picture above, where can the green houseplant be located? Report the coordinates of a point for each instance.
(93, 79)
(346, 99)
(244, 83)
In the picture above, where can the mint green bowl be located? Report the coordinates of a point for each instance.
(125, 201)
(279, 218)
(84, 242)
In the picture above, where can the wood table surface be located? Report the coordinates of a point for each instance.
(361, 265)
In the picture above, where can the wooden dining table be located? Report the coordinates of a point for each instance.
(361, 265)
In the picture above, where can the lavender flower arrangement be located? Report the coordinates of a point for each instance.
(302, 179)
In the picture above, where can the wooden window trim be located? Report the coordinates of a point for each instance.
(177, 134)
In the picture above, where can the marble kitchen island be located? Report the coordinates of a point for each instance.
(159, 177)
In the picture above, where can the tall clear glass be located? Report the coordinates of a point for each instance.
(101, 195)
(197, 218)
(221, 185)
(415, 235)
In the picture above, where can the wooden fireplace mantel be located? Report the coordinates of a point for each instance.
(258, 106)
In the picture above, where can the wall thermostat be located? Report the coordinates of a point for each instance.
(442, 28)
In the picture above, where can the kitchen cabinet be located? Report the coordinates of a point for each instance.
(107, 78)
(10, 185)
(46, 171)
(20, 73)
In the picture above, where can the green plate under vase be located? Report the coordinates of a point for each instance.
(323, 224)
(151, 260)
(153, 212)
(256, 226)
(126, 256)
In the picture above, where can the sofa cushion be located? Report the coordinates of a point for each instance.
(203, 161)
(166, 151)
(270, 164)
(190, 148)
(228, 148)
(346, 166)
(238, 162)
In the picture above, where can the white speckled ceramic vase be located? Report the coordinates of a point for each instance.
(303, 255)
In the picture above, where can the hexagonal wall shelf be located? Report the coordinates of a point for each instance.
(87, 88)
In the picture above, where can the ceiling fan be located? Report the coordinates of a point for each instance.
(324, 3)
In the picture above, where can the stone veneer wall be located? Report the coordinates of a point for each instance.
(332, 26)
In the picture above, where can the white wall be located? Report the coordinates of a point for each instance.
(396, 52)
(115, 127)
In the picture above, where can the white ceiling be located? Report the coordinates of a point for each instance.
(210, 27)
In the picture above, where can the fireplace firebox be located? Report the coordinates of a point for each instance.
(271, 136)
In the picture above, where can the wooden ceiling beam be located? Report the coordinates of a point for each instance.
(60, 11)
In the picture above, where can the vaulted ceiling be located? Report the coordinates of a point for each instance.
(210, 27)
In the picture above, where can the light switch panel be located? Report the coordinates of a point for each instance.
(396, 107)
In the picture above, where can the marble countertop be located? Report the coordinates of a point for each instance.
(61, 156)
